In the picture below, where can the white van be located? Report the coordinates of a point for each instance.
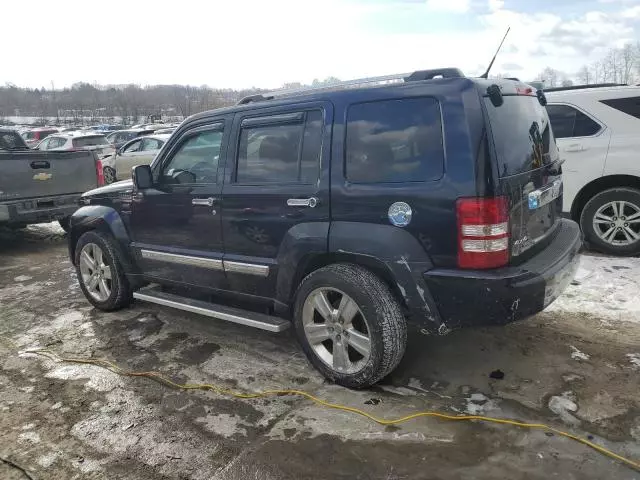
(597, 129)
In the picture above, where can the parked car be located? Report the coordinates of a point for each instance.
(95, 142)
(33, 136)
(597, 130)
(119, 138)
(140, 151)
(434, 203)
(38, 187)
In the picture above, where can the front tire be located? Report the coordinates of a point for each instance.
(349, 325)
(610, 221)
(100, 273)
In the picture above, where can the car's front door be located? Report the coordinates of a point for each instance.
(176, 225)
(276, 192)
(127, 158)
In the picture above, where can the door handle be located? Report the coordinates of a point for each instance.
(205, 202)
(303, 202)
(575, 147)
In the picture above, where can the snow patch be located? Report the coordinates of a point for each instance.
(32, 437)
(223, 424)
(22, 278)
(45, 461)
(604, 287)
(100, 379)
(634, 358)
(577, 354)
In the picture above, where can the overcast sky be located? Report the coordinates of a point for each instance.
(264, 43)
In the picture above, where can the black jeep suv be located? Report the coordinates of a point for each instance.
(347, 212)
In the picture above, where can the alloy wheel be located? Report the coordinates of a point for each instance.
(95, 273)
(618, 223)
(336, 330)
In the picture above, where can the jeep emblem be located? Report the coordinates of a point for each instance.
(400, 214)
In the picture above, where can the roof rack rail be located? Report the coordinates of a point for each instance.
(580, 87)
(385, 79)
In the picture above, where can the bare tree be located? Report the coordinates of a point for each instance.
(629, 57)
(584, 75)
(550, 77)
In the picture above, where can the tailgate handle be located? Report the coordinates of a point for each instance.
(40, 164)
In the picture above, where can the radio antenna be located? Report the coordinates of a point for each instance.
(486, 74)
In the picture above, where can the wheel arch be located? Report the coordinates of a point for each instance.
(599, 185)
(106, 220)
(311, 263)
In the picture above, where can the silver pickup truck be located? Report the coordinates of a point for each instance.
(37, 187)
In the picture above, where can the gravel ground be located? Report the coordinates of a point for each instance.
(576, 366)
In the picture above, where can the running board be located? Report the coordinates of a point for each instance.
(221, 312)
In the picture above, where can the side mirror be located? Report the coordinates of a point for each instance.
(142, 177)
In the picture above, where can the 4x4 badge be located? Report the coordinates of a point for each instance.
(400, 214)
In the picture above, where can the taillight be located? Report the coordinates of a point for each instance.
(483, 232)
(99, 173)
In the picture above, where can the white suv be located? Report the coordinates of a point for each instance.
(597, 130)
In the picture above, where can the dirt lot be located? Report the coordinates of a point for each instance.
(576, 366)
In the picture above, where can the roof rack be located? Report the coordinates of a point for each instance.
(580, 87)
(360, 82)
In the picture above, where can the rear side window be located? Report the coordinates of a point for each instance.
(11, 141)
(394, 141)
(629, 105)
(567, 122)
(281, 152)
(89, 141)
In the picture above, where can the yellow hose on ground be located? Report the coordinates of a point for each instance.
(108, 365)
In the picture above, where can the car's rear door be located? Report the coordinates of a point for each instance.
(583, 142)
(276, 192)
(528, 170)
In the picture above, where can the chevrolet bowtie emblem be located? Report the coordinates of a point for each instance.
(42, 176)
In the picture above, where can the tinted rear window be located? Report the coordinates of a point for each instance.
(11, 141)
(393, 141)
(90, 141)
(629, 105)
(521, 134)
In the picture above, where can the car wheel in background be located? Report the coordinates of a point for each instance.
(100, 273)
(109, 175)
(349, 325)
(610, 221)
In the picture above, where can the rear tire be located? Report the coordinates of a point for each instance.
(109, 175)
(609, 223)
(349, 325)
(100, 273)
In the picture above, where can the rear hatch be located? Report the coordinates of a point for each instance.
(528, 168)
(32, 173)
(95, 143)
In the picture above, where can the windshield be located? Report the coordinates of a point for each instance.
(90, 141)
(521, 134)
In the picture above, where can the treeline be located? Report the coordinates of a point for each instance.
(619, 65)
(85, 103)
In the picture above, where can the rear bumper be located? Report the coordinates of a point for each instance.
(38, 210)
(497, 297)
